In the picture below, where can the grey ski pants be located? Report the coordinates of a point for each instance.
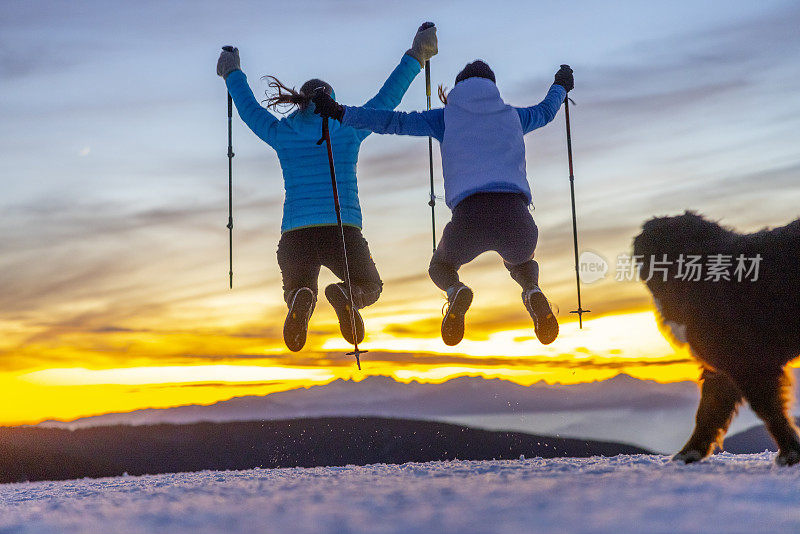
(488, 221)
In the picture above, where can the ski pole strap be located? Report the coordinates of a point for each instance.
(325, 131)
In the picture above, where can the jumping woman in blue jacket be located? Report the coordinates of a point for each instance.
(485, 183)
(310, 236)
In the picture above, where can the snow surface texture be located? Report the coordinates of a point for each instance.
(727, 493)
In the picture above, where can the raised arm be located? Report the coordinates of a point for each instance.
(262, 122)
(537, 116)
(422, 124)
(424, 46)
(417, 123)
(396, 85)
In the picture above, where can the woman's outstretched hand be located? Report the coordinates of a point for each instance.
(564, 78)
(425, 44)
(326, 106)
(228, 61)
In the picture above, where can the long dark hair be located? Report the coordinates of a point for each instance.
(443, 94)
(283, 98)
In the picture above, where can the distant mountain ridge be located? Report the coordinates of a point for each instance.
(382, 396)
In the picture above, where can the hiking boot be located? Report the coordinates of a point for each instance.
(340, 300)
(295, 328)
(544, 321)
(458, 300)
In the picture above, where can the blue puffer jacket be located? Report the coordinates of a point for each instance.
(306, 173)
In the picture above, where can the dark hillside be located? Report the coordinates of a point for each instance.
(35, 453)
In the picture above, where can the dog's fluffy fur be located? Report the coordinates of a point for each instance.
(743, 333)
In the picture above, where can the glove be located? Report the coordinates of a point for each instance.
(228, 61)
(326, 106)
(425, 44)
(564, 78)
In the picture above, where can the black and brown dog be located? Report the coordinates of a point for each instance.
(742, 323)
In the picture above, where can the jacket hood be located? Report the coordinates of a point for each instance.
(476, 95)
(307, 124)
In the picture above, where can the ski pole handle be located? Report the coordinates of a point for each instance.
(229, 48)
(428, 81)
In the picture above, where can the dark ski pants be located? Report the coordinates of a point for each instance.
(302, 252)
(483, 222)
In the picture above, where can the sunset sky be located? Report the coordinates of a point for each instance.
(113, 246)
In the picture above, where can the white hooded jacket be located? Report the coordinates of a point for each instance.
(483, 148)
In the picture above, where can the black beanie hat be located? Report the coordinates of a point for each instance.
(312, 84)
(476, 69)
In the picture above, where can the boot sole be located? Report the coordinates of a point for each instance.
(295, 328)
(453, 321)
(340, 301)
(545, 323)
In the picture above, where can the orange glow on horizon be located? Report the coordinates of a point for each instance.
(227, 366)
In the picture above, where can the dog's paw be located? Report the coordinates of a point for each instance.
(790, 457)
(688, 456)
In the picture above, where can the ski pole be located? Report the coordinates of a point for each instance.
(580, 311)
(432, 200)
(326, 137)
(230, 184)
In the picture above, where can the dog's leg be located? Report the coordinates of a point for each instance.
(769, 397)
(719, 399)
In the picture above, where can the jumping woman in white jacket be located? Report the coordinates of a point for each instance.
(486, 186)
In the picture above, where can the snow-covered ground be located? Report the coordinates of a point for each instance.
(728, 493)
